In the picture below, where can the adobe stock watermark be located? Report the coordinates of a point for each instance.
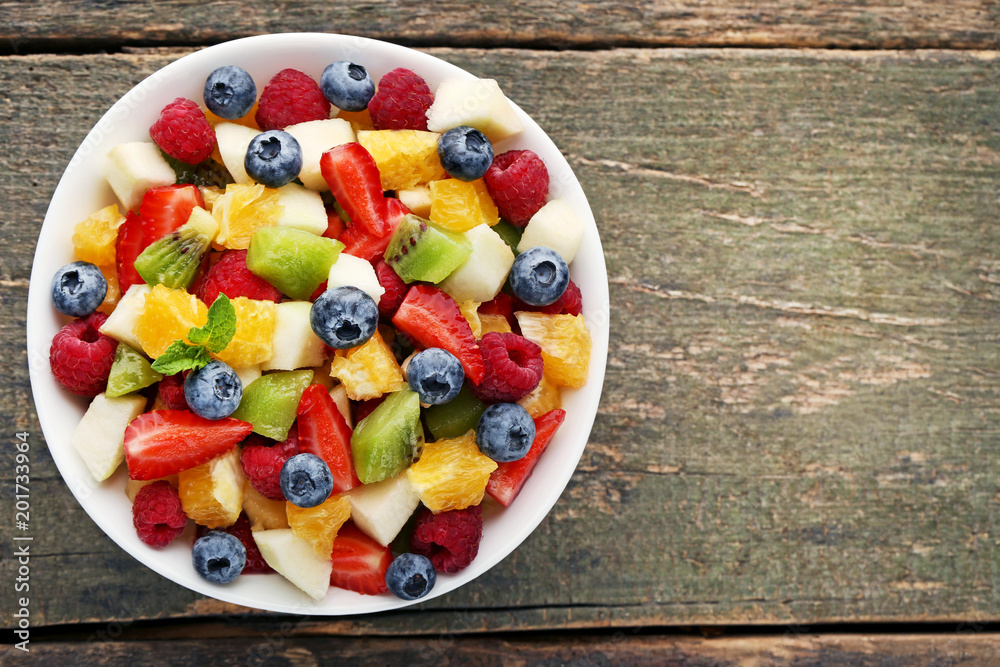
(22, 540)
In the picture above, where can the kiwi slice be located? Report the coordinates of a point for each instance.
(456, 417)
(294, 261)
(388, 440)
(174, 259)
(420, 250)
(271, 401)
(130, 371)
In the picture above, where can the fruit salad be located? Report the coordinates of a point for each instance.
(326, 322)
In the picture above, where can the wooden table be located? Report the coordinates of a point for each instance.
(797, 454)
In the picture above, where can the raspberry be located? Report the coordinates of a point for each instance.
(171, 391)
(157, 514)
(570, 303)
(449, 539)
(183, 132)
(262, 463)
(244, 533)
(290, 97)
(401, 101)
(513, 368)
(81, 356)
(395, 289)
(230, 276)
(518, 183)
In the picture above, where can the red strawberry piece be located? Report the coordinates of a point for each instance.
(230, 276)
(401, 101)
(513, 368)
(323, 431)
(353, 177)
(183, 132)
(359, 562)
(164, 442)
(290, 97)
(506, 481)
(518, 183)
(395, 288)
(570, 303)
(166, 208)
(171, 391)
(366, 407)
(433, 319)
(128, 245)
(360, 243)
(262, 461)
(335, 225)
(81, 356)
(449, 539)
(244, 533)
(157, 514)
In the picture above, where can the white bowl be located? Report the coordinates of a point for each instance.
(81, 191)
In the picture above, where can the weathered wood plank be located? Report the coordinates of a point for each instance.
(799, 423)
(79, 25)
(621, 648)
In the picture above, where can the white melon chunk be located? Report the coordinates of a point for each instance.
(294, 343)
(339, 395)
(478, 103)
(133, 486)
(121, 321)
(356, 272)
(263, 513)
(555, 226)
(233, 140)
(302, 209)
(248, 374)
(295, 559)
(134, 167)
(316, 137)
(100, 435)
(380, 510)
(484, 272)
(417, 199)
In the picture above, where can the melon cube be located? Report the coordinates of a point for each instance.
(483, 274)
(478, 103)
(316, 137)
(555, 226)
(134, 167)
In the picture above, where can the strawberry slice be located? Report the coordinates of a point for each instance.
(433, 319)
(164, 442)
(359, 562)
(360, 243)
(128, 245)
(506, 481)
(335, 225)
(166, 208)
(323, 431)
(353, 177)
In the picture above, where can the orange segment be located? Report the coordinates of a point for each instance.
(94, 238)
(451, 474)
(114, 290)
(369, 370)
(497, 323)
(319, 525)
(249, 119)
(405, 158)
(359, 120)
(543, 398)
(565, 344)
(470, 311)
(242, 210)
(460, 206)
(167, 315)
(251, 343)
(212, 493)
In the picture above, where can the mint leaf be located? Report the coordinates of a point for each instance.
(220, 327)
(181, 357)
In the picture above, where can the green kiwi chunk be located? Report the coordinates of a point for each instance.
(174, 260)
(387, 441)
(420, 250)
(294, 261)
(130, 371)
(271, 401)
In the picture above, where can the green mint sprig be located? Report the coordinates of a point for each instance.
(205, 341)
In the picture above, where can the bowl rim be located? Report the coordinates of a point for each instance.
(51, 402)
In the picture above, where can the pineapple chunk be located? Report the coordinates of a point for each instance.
(417, 199)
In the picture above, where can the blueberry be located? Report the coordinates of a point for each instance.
(539, 276)
(436, 375)
(213, 391)
(273, 159)
(78, 289)
(465, 153)
(306, 480)
(218, 557)
(410, 576)
(230, 92)
(505, 432)
(344, 317)
(347, 86)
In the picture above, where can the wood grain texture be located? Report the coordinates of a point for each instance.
(84, 25)
(799, 423)
(622, 648)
